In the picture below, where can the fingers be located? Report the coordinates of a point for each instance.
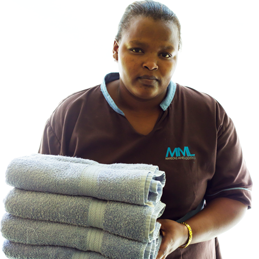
(161, 256)
(172, 235)
(163, 247)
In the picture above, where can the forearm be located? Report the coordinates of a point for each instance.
(218, 216)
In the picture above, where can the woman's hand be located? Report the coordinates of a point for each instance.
(174, 235)
(218, 216)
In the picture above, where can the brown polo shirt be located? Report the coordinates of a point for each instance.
(193, 141)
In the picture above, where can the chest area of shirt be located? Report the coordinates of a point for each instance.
(142, 123)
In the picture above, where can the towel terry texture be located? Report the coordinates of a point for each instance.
(20, 251)
(34, 232)
(127, 220)
(131, 183)
(73, 208)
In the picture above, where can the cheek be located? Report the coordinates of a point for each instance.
(128, 64)
(167, 69)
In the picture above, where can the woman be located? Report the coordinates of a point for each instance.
(140, 116)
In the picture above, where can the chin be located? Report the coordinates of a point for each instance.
(145, 95)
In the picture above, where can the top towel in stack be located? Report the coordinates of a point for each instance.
(140, 184)
(91, 200)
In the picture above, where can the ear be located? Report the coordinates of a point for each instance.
(115, 50)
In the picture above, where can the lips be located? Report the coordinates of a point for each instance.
(148, 80)
(148, 77)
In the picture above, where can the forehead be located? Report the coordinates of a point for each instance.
(155, 31)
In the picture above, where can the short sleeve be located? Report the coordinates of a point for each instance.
(231, 179)
(60, 126)
(49, 142)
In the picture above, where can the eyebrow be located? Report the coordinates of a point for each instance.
(139, 43)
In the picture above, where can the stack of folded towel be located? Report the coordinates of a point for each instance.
(72, 208)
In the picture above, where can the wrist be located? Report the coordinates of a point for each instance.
(184, 235)
(187, 235)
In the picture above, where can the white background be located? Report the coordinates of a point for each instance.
(50, 49)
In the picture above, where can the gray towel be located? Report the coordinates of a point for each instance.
(34, 232)
(127, 220)
(140, 184)
(14, 250)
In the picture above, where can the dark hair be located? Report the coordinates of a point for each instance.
(147, 8)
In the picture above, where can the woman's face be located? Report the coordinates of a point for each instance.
(147, 57)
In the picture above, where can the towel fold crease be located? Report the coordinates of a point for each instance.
(14, 250)
(140, 184)
(127, 220)
(35, 232)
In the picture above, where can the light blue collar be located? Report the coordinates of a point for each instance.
(114, 76)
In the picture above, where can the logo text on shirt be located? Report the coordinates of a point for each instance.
(178, 153)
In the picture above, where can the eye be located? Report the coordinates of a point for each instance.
(136, 50)
(166, 55)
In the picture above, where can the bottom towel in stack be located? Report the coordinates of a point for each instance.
(15, 250)
(43, 233)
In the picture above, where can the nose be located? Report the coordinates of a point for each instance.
(150, 64)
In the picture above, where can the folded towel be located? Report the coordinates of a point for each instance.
(131, 183)
(127, 220)
(21, 251)
(34, 232)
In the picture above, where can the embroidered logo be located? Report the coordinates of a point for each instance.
(178, 153)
